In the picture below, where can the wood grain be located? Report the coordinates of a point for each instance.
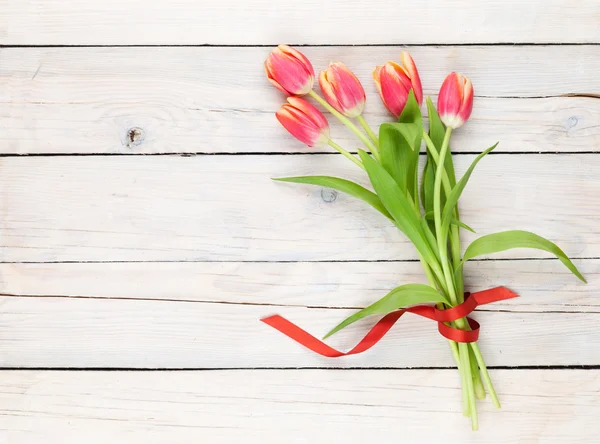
(223, 208)
(543, 285)
(112, 22)
(306, 406)
(169, 262)
(165, 100)
(69, 332)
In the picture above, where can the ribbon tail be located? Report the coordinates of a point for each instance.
(304, 338)
(380, 329)
(493, 295)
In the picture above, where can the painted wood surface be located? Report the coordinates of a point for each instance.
(81, 332)
(350, 285)
(299, 406)
(162, 22)
(205, 315)
(167, 261)
(175, 100)
(226, 208)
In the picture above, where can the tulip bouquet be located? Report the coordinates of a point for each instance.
(422, 206)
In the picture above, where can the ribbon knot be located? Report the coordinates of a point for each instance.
(380, 329)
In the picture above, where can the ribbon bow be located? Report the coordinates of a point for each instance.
(380, 329)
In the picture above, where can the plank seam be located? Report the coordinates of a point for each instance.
(303, 45)
(276, 153)
(262, 304)
(233, 369)
(332, 261)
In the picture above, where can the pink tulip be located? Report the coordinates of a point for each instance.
(394, 82)
(303, 121)
(455, 101)
(290, 71)
(342, 89)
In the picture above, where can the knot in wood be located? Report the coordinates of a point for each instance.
(328, 195)
(135, 136)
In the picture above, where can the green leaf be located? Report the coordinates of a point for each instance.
(436, 133)
(506, 240)
(397, 204)
(429, 216)
(343, 185)
(411, 132)
(427, 183)
(400, 297)
(411, 112)
(462, 225)
(452, 199)
(399, 144)
(430, 237)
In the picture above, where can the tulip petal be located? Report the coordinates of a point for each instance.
(349, 90)
(298, 125)
(298, 55)
(272, 80)
(413, 73)
(342, 89)
(450, 98)
(377, 79)
(400, 73)
(394, 88)
(289, 70)
(290, 73)
(329, 92)
(467, 100)
(455, 101)
(304, 121)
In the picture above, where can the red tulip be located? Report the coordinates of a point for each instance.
(394, 82)
(303, 121)
(290, 71)
(342, 89)
(455, 101)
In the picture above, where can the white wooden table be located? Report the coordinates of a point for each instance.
(141, 238)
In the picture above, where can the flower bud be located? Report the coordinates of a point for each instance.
(290, 71)
(342, 89)
(303, 121)
(394, 83)
(455, 101)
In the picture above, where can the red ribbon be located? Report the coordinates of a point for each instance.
(380, 329)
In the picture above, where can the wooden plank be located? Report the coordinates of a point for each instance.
(100, 333)
(543, 285)
(165, 100)
(308, 406)
(225, 208)
(111, 22)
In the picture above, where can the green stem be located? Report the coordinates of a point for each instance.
(437, 214)
(484, 373)
(433, 282)
(464, 355)
(463, 380)
(473, 382)
(368, 130)
(455, 251)
(469, 407)
(455, 245)
(454, 230)
(479, 390)
(342, 151)
(348, 123)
